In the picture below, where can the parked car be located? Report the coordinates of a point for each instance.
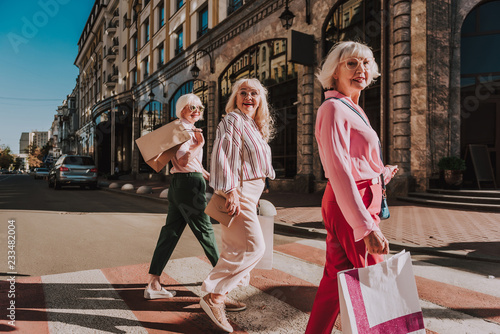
(73, 170)
(41, 173)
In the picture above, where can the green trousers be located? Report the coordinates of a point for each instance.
(186, 205)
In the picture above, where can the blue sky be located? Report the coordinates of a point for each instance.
(38, 48)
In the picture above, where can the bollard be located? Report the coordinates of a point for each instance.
(267, 212)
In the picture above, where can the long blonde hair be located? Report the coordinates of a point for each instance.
(337, 54)
(263, 118)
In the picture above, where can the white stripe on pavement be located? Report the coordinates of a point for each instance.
(460, 278)
(265, 314)
(85, 302)
(445, 321)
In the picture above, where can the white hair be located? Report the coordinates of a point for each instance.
(340, 52)
(187, 100)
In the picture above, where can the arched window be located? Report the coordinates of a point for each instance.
(480, 81)
(151, 117)
(269, 63)
(358, 21)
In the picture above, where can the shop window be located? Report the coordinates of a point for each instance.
(480, 85)
(282, 88)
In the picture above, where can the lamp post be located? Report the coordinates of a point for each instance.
(287, 17)
(195, 70)
(151, 113)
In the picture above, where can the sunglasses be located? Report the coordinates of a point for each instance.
(194, 108)
(353, 63)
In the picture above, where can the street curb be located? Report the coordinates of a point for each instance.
(321, 234)
(130, 193)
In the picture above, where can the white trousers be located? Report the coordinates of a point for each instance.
(242, 244)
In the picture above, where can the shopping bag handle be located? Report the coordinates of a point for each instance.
(366, 258)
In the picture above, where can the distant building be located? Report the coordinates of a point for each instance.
(38, 138)
(24, 142)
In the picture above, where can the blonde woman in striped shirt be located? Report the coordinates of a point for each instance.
(248, 123)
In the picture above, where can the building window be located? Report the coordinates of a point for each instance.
(146, 2)
(146, 31)
(234, 5)
(134, 40)
(161, 15)
(179, 41)
(124, 51)
(161, 55)
(203, 21)
(145, 67)
(134, 77)
(180, 3)
(125, 21)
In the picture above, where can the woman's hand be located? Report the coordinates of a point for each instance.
(393, 168)
(198, 136)
(233, 203)
(376, 243)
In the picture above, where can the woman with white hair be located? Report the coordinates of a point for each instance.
(350, 154)
(186, 198)
(240, 148)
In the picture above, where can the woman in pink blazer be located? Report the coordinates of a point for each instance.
(350, 153)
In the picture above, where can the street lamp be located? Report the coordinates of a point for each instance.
(195, 70)
(287, 17)
(151, 113)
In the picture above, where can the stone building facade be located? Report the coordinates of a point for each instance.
(136, 59)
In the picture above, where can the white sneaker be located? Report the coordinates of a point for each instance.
(216, 313)
(153, 294)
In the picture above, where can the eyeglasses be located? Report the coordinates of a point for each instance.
(194, 108)
(353, 63)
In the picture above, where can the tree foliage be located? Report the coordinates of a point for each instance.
(35, 156)
(6, 157)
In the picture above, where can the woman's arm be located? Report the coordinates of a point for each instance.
(333, 133)
(193, 151)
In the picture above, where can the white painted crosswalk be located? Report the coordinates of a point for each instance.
(279, 300)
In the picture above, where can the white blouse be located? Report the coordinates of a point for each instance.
(195, 164)
(225, 165)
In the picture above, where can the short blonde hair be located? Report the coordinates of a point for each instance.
(263, 118)
(185, 100)
(340, 52)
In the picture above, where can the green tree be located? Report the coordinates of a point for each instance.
(6, 157)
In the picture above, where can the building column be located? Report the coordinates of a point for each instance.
(401, 93)
(305, 128)
(419, 93)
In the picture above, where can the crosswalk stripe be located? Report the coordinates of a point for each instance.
(85, 302)
(460, 278)
(30, 314)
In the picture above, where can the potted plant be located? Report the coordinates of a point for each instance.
(453, 168)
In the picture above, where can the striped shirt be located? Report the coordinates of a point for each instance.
(225, 165)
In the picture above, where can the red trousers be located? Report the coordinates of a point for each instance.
(342, 253)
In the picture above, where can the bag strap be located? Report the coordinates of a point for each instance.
(364, 120)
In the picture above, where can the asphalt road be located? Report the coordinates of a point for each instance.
(73, 229)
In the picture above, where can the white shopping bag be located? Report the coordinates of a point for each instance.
(381, 298)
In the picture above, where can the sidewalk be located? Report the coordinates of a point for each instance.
(456, 233)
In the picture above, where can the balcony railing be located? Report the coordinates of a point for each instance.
(110, 82)
(110, 55)
(111, 28)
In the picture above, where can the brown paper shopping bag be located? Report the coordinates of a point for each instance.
(159, 147)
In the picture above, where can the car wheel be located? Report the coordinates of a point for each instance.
(57, 185)
(51, 185)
